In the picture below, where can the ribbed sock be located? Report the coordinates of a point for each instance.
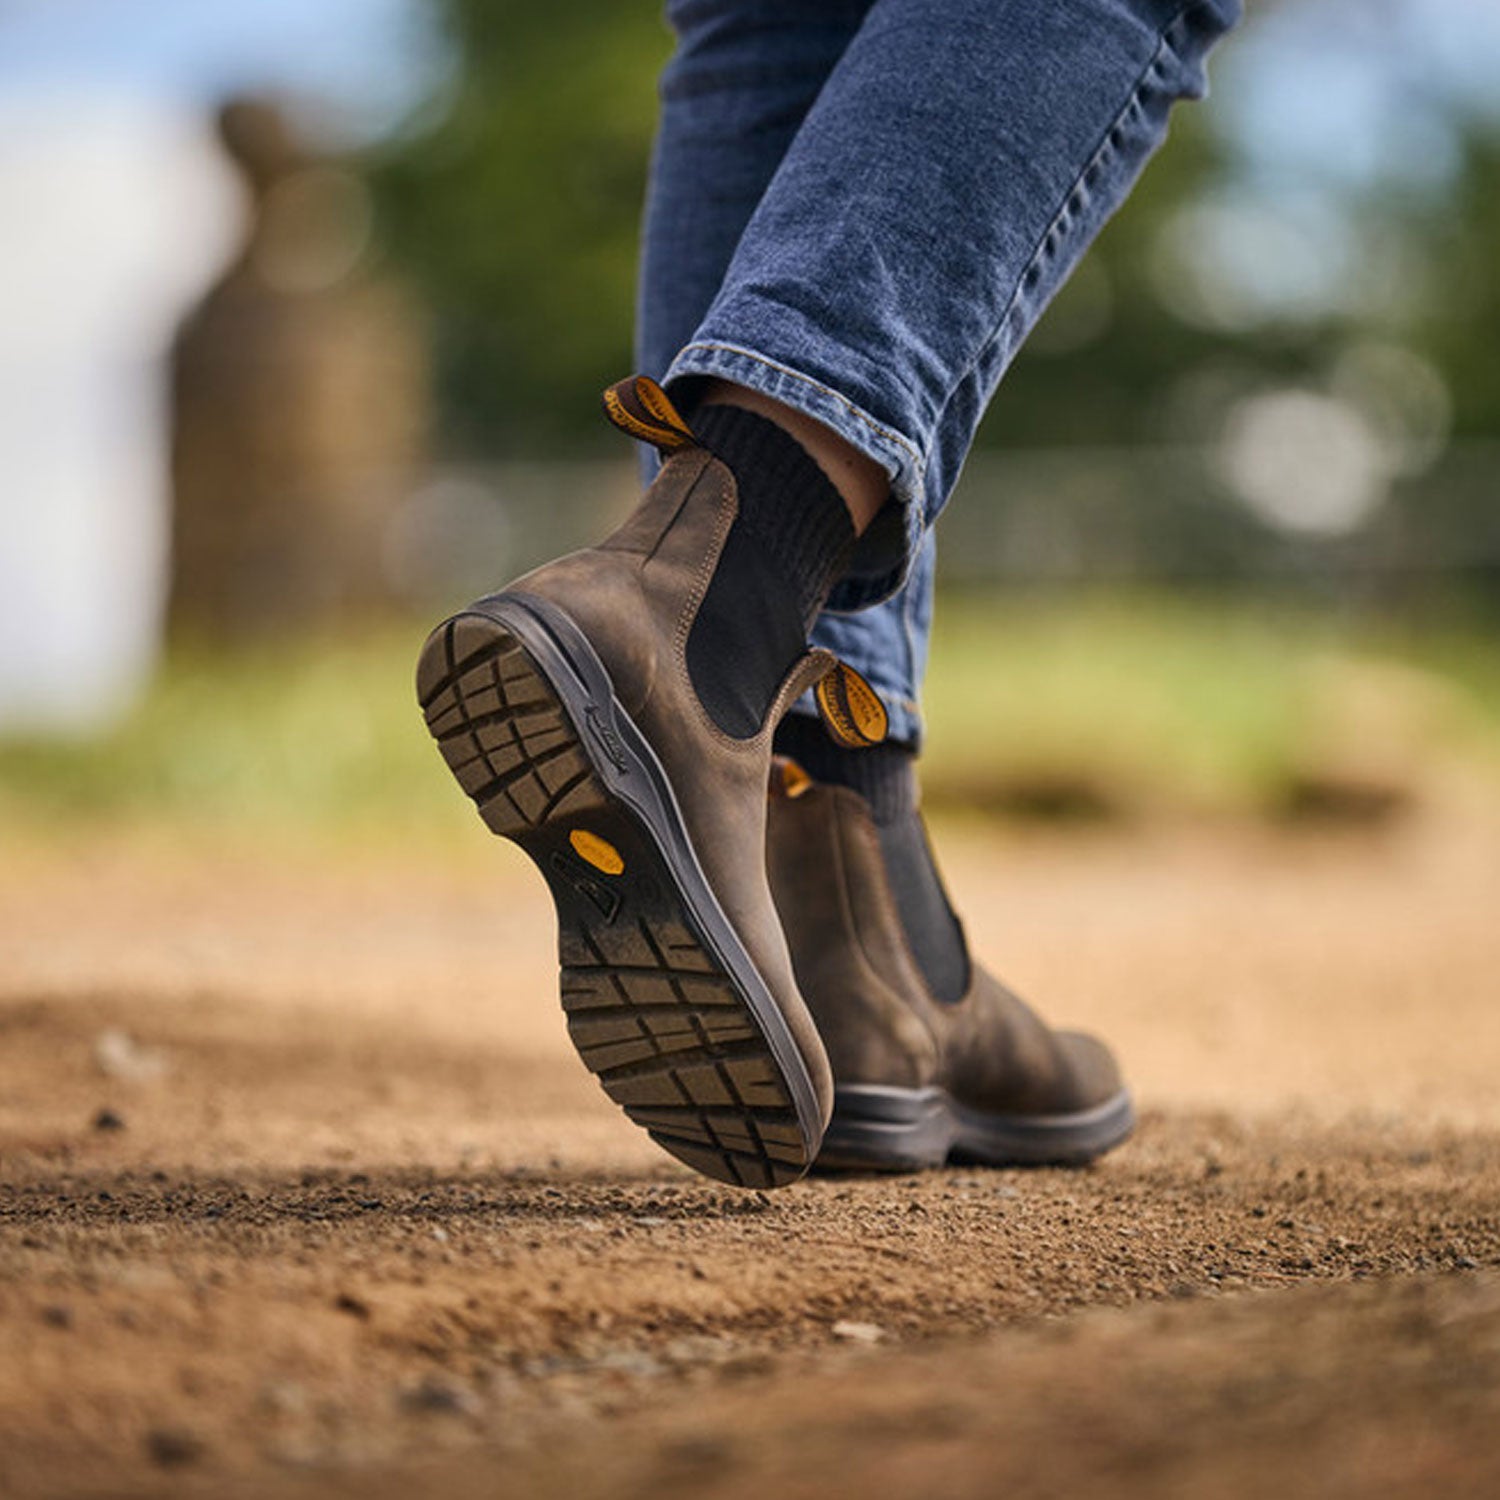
(885, 776)
(790, 541)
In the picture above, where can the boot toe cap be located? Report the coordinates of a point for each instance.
(1094, 1073)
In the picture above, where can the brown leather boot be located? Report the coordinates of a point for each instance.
(919, 1082)
(564, 706)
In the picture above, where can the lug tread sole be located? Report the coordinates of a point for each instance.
(649, 1009)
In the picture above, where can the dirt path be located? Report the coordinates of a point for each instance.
(302, 1192)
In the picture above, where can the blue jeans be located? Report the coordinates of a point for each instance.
(861, 207)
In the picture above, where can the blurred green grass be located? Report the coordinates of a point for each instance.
(1043, 707)
(1115, 704)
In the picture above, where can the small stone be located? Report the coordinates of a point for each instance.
(57, 1316)
(283, 1397)
(437, 1394)
(118, 1055)
(347, 1302)
(858, 1333)
(108, 1119)
(173, 1446)
(631, 1362)
(702, 1450)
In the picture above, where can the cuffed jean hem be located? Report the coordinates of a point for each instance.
(885, 553)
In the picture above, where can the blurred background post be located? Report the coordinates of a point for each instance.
(304, 308)
(299, 402)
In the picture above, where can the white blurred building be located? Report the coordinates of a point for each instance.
(117, 214)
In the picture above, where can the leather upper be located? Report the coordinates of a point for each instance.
(877, 1018)
(635, 597)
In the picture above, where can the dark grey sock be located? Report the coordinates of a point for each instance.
(790, 541)
(885, 776)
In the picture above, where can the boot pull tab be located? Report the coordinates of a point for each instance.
(788, 779)
(851, 709)
(638, 406)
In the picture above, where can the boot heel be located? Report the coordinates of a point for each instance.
(880, 1129)
(652, 1008)
(501, 729)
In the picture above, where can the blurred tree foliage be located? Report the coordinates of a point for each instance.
(516, 208)
(517, 211)
(1439, 247)
(1457, 245)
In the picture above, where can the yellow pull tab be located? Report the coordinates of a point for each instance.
(788, 779)
(640, 407)
(852, 711)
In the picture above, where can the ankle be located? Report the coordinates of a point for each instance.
(884, 774)
(787, 506)
(790, 540)
(862, 484)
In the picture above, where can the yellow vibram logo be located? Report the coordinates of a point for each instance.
(596, 851)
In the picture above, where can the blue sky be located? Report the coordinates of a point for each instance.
(1355, 90)
(367, 60)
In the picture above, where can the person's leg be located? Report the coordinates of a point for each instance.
(741, 81)
(959, 160)
(613, 711)
(890, 268)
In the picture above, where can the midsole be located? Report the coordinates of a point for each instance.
(625, 762)
(929, 1124)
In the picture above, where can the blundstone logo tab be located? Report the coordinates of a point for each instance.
(852, 711)
(640, 407)
(596, 851)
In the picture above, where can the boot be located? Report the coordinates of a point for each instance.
(918, 1082)
(564, 707)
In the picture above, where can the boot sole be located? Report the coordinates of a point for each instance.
(662, 1002)
(880, 1129)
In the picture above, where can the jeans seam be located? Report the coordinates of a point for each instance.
(909, 639)
(1101, 154)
